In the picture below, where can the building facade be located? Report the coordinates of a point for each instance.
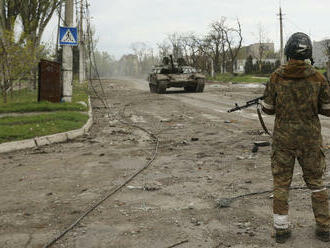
(320, 53)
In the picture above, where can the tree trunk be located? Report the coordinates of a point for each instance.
(4, 96)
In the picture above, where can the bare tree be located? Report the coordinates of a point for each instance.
(164, 49)
(140, 49)
(218, 44)
(190, 49)
(35, 15)
(9, 51)
(175, 41)
(263, 50)
(145, 56)
(234, 38)
(9, 11)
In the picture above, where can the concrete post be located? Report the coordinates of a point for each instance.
(82, 75)
(67, 61)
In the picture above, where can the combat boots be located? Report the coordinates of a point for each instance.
(322, 235)
(282, 235)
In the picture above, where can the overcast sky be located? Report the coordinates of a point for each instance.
(119, 23)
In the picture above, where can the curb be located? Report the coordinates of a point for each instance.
(49, 139)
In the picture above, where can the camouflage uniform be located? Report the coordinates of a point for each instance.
(296, 94)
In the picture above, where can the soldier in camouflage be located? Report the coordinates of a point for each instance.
(297, 94)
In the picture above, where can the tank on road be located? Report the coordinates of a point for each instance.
(175, 74)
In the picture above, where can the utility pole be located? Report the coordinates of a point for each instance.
(58, 30)
(88, 41)
(281, 34)
(81, 45)
(1, 37)
(328, 64)
(67, 61)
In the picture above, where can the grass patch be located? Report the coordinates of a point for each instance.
(26, 101)
(227, 77)
(26, 127)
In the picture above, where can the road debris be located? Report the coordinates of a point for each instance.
(224, 202)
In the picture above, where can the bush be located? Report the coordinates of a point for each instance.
(260, 67)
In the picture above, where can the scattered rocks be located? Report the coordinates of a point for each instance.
(261, 143)
(120, 132)
(151, 187)
(165, 120)
(178, 126)
(191, 205)
(113, 123)
(134, 187)
(209, 178)
(195, 222)
(244, 158)
(201, 155)
(148, 187)
(223, 202)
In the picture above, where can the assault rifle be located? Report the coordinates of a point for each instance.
(248, 104)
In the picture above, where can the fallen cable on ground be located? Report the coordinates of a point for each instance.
(112, 192)
(177, 244)
(226, 202)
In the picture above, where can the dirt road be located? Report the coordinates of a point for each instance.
(204, 155)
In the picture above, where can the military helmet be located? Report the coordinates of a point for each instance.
(299, 46)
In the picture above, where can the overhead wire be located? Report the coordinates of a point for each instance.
(103, 99)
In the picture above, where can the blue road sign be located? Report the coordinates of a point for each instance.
(68, 36)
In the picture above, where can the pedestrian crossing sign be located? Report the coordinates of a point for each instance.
(68, 36)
